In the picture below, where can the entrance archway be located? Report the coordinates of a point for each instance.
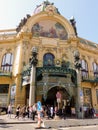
(66, 99)
(51, 96)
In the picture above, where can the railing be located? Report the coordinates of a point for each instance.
(5, 73)
(90, 79)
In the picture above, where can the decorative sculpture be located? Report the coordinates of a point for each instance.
(33, 59)
(73, 23)
(77, 59)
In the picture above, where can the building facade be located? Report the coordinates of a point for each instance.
(56, 79)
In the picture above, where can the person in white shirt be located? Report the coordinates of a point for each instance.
(51, 111)
(9, 110)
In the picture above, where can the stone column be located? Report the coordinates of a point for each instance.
(33, 63)
(32, 86)
(17, 74)
(79, 96)
(79, 93)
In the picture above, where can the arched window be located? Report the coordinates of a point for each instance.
(48, 59)
(95, 69)
(84, 70)
(7, 62)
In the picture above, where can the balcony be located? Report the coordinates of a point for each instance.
(5, 73)
(90, 79)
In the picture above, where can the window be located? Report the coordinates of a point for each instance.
(95, 69)
(84, 70)
(48, 59)
(7, 62)
(87, 96)
(4, 88)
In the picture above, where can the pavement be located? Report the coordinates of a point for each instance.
(5, 119)
(52, 123)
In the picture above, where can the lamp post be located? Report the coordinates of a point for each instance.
(79, 93)
(33, 63)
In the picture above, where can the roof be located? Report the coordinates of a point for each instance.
(46, 5)
(84, 41)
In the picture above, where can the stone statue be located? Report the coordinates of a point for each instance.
(73, 23)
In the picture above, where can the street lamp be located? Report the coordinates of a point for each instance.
(33, 63)
(33, 59)
(79, 93)
(77, 60)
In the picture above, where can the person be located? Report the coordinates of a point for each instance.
(9, 110)
(64, 112)
(23, 111)
(30, 112)
(48, 112)
(17, 111)
(51, 112)
(92, 112)
(33, 111)
(39, 110)
(27, 111)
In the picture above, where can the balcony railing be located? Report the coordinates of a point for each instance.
(91, 79)
(5, 73)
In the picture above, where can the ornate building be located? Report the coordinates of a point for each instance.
(58, 67)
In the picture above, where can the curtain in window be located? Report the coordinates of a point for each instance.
(84, 70)
(95, 69)
(7, 62)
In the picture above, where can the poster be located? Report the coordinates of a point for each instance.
(12, 95)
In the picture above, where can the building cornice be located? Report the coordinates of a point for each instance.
(16, 38)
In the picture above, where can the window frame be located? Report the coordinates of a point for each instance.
(84, 70)
(7, 62)
(48, 57)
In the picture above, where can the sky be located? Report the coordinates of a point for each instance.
(84, 12)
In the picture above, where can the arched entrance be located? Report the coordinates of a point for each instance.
(51, 96)
(66, 99)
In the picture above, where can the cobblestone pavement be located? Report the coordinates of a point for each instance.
(52, 123)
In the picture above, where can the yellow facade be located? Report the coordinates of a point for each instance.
(19, 44)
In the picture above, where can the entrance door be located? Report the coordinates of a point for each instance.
(66, 100)
(27, 94)
(51, 96)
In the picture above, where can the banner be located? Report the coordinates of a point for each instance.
(12, 94)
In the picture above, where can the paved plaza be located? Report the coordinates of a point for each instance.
(52, 123)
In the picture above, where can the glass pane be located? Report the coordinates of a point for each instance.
(48, 59)
(7, 62)
(4, 88)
